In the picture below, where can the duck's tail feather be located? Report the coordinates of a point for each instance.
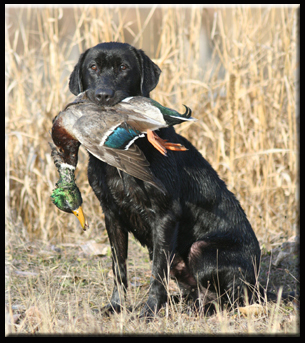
(174, 119)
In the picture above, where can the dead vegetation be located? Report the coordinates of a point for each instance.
(244, 97)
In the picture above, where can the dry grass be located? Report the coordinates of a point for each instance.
(60, 289)
(244, 97)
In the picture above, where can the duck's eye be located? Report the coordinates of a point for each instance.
(93, 67)
(123, 67)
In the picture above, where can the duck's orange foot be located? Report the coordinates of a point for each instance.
(162, 145)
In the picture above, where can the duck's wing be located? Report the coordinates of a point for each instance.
(131, 161)
(141, 117)
(91, 131)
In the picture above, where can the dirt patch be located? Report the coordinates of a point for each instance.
(280, 267)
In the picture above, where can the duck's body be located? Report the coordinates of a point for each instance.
(108, 133)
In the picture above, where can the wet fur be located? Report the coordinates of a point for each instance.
(198, 226)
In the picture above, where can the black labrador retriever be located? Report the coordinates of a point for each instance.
(197, 233)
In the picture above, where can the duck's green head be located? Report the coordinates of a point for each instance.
(67, 197)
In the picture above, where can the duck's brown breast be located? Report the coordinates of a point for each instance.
(67, 145)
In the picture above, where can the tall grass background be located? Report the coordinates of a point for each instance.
(236, 68)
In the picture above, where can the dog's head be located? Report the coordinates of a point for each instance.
(113, 71)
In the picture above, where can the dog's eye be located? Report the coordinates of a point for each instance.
(93, 67)
(123, 67)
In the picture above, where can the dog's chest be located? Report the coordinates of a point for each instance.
(133, 207)
(123, 196)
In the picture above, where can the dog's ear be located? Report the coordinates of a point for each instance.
(75, 82)
(150, 73)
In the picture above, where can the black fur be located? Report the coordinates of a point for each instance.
(198, 226)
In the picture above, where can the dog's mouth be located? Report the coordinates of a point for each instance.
(106, 97)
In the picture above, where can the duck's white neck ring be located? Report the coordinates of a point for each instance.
(67, 166)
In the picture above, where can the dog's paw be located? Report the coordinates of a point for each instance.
(110, 309)
(150, 309)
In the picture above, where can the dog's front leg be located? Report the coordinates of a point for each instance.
(164, 237)
(118, 238)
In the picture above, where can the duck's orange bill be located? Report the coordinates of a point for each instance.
(80, 216)
(162, 145)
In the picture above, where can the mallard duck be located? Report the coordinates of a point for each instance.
(108, 133)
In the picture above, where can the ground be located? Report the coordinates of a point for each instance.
(60, 289)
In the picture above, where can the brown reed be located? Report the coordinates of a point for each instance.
(243, 95)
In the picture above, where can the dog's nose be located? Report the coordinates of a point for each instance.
(103, 95)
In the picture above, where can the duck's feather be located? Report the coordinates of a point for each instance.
(89, 129)
(131, 161)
